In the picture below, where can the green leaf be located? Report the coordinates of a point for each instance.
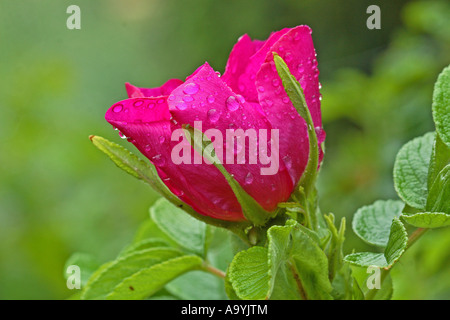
(142, 170)
(87, 263)
(440, 157)
(144, 244)
(197, 285)
(311, 265)
(149, 280)
(396, 245)
(295, 93)
(302, 263)
(427, 219)
(439, 194)
(373, 223)
(279, 242)
(248, 274)
(186, 231)
(134, 166)
(250, 207)
(103, 282)
(411, 170)
(441, 105)
(357, 292)
(292, 267)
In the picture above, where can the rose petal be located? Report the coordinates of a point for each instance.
(146, 121)
(164, 90)
(206, 98)
(297, 49)
(245, 78)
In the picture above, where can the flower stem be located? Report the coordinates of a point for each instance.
(209, 268)
(415, 236)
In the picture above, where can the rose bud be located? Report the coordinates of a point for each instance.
(247, 104)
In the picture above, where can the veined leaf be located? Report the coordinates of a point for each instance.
(427, 219)
(411, 170)
(186, 231)
(439, 194)
(149, 280)
(396, 245)
(441, 105)
(103, 283)
(248, 274)
(440, 157)
(373, 223)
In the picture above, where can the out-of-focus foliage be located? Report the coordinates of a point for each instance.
(59, 195)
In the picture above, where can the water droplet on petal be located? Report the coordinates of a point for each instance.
(162, 139)
(275, 82)
(287, 162)
(181, 106)
(240, 98)
(191, 88)
(118, 108)
(213, 115)
(300, 68)
(261, 89)
(188, 98)
(122, 136)
(288, 57)
(158, 160)
(286, 100)
(210, 98)
(232, 103)
(248, 178)
(138, 103)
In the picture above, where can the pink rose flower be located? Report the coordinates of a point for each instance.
(249, 95)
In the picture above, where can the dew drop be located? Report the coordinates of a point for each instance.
(261, 89)
(288, 57)
(240, 98)
(232, 103)
(158, 160)
(275, 82)
(213, 115)
(188, 98)
(191, 88)
(118, 108)
(300, 68)
(286, 100)
(181, 106)
(138, 103)
(210, 98)
(162, 139)
(122, 136)
(287, 161)
(248, 178)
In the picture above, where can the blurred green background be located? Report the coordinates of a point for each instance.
(59, 195)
